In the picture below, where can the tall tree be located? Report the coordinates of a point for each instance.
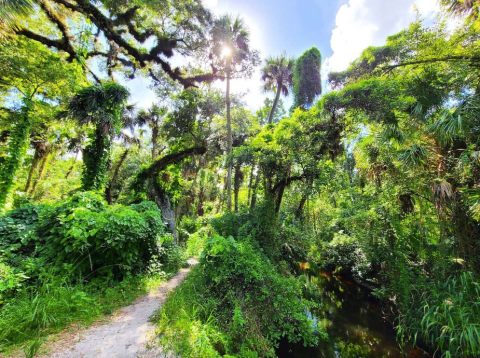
(277, 75)
(263, 113)
(233, 57)
(307, 80)
(34, 85)
(154, 117)
(75, 27)
(104, 106)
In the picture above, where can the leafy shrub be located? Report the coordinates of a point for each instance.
(238, 292)
(346, 254)
(74, 261)
(93, 237)
(196, 241)
(18, 230)
(83, 238)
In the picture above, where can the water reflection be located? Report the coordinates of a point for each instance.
(353, 320)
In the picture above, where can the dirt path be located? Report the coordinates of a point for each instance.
(127, 334)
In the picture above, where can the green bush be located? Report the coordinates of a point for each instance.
(196, 241)
(237, 291)
(84, 237)
(75, 260)
(344, 253)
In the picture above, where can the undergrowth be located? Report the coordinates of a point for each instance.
(234, 303)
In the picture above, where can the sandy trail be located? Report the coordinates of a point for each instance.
(128, 333)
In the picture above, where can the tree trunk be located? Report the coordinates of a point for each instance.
(200, 210)
(155, 193)
(254, 191)
(278, 197)
(275, 103)
(37, 157)
(96, 161)
(41, 171)
(299, 213)
(168, 214)
(229, 140)
(250, 183)
(154, 141)
(237, 183)
(113, 181)
(70, 170)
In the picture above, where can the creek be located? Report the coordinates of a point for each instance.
(354, 321)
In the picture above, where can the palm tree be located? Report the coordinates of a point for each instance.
(104, 106)
(231, 49)
(154, 117)
(10, 10)
(278, 77)
(462, 7)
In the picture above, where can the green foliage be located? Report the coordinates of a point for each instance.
(83, 238)
(264, 112)
(450, 316)
(236, 291)
(307, 82)
(105, 107)
(76, 260)
(17, 148)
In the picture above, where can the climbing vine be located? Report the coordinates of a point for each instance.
(17, 148)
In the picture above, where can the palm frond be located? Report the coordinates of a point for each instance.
(414, 155)
(277, 74)
(449, 126)
(10, 10)
(462, 7)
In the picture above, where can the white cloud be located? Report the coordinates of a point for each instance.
(210, 3)
(363, 23)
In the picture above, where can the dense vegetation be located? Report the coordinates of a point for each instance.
(375, 177)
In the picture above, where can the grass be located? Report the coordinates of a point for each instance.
(451, 320)
(186, 324)
(28, 319)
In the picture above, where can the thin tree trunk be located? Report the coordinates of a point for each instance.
(113, 181)
(275, 103)
(70, 170)
(200, 210)
(41, 171)
(299, 212)
(39, 153)
(154, 141)
(237, 183)
(250, 183)
(254, 191)
(229, 140)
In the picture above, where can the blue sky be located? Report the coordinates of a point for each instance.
(341, 29)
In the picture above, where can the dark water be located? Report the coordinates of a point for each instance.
(353, 319)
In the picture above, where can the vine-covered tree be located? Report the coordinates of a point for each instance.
(105, 107)
(307, 82)
(33, 85)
